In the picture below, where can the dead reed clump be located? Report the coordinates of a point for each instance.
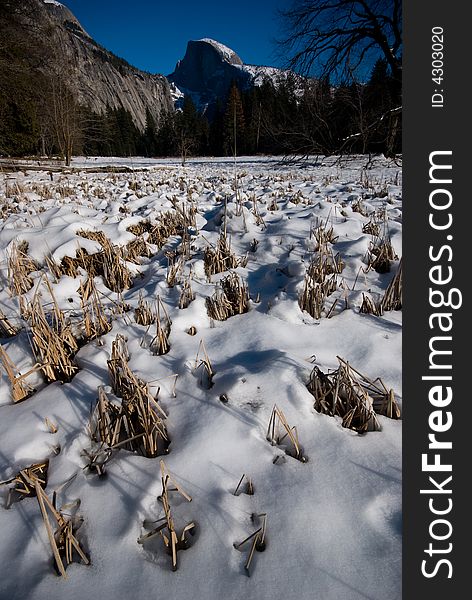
(65, 546)
(95, 322)
(322, 234)
(393, 299)
(277, 423)
(20, 388)
(7, 329)
(231, 298)
(135, 249)
(143, 313)
(220, 258)
(175, 267)
(381, 255)
(133, 424)
(172, 222)
(258, 538)
(53, 344)
(352, 396)
(358, 206)
(96, 236)
(187, 295)
(381, 252)
(137, 424)
(54, 267)
(371, 228)
(139, 228)
(20, 266)
(160, 343)
(24, 482)
(109, 263)
(166, 525)
(320, 281)
(369, 306)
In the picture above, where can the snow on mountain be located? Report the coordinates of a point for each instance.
(227, 53)
(53, 2)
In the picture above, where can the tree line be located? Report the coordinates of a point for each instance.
(282, 118)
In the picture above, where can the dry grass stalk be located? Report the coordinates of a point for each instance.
(50, 425)
(115, 272)
(20, 388)
(369, 307)
(278, 420)
(381, 252)
(143, 313)
(205, 367)
(166, 527)
(139, 228)
(25, 480)
(320, 281)
(258, 540)
(54, 267)
(186, 295)
(248, 489)
(53, 346)
(323, 264)
(392, 299)
(372, 228)
(221, 258)
(63, 541)
(20, 266)
(322, 234)
(174, 268)
(257, 215)
(160, 343)
(95, 322)
(6, 328)
(359, 207)
(314, 294)
(231, 298)
(352, 396)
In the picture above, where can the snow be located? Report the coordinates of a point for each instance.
(53, 2)
(334, 522)
(226, 52)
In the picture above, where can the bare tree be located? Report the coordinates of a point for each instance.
(338, 37)
(63, 115)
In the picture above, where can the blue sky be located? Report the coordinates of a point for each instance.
(153, 34)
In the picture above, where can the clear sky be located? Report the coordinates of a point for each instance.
(153, 34)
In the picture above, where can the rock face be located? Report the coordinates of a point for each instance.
(99, 78)
(208, 69)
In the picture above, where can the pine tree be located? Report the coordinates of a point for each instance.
(234, 127)
(149, 137)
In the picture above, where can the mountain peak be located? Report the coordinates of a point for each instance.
(225, 52)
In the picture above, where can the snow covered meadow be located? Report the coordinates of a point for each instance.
(163, 314)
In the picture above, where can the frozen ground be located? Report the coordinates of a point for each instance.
(333, 522)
